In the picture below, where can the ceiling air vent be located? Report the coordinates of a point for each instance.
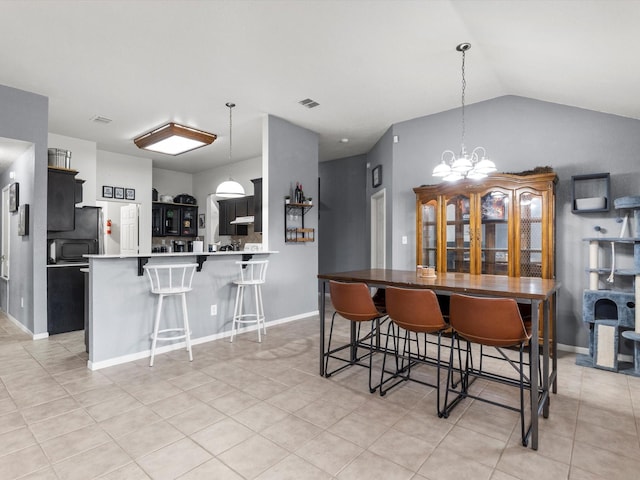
(100, 119)
(307, 102)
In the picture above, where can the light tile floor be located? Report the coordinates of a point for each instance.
(248, 410)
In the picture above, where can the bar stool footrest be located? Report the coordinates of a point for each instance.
(165, 338)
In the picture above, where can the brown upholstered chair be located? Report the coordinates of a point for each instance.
(489, 322)
(412, 311)
(353, 302)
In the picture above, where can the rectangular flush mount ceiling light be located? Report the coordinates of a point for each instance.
(174, 139)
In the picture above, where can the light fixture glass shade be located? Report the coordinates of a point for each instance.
(462, 164)
(485, 166)
(442, 169)
(174, 139)
(230, 189)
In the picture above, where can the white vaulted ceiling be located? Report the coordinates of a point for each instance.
(368, 64)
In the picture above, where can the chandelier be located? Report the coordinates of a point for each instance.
(475, 165)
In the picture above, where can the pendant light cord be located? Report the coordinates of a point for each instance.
(230, 105)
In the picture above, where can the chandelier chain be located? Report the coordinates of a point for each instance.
(464, 87)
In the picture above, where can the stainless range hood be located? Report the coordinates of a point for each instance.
(242, 220)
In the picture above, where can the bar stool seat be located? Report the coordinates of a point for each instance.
(252, 276)
(166, 281)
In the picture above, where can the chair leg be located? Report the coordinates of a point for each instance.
(156, 328)
(326, 362)
(236, 313)
(373, 328)
(187, 331)
(257, 301)
(264, 323)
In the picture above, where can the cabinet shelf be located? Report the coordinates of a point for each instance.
(590, 187)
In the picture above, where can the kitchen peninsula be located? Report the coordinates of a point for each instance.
(121, 307)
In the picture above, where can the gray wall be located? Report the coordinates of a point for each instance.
(291, 156)
(519, 134)
(24, 116)
(343, 237)
(382, 154)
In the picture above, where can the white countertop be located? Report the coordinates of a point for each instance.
(185, 254)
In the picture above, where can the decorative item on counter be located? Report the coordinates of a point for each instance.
(287, 199)
(198, 245)
(425, 272)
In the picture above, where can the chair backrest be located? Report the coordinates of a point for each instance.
(488, 321)
(416, 310)
(170, 279)
(253, 271)
(353, 301)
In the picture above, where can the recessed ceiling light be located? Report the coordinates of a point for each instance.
(174, 139)
(344, 140)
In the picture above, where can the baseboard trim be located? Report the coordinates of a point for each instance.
(194, 341)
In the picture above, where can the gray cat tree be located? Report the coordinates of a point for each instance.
(608, 311)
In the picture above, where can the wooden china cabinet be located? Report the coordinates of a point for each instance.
(503, 224)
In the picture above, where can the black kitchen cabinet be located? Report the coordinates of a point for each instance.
(65, 299)
(61, 199)
(228, 211)
(257, 204)
(170, 219)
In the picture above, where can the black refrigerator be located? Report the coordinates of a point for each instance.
(65, 279)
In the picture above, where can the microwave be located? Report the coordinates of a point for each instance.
(64, 250)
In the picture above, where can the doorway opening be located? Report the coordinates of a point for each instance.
(6, 230)
(378, 229)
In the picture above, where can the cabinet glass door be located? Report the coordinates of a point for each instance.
(171, 220)
(457, 234)
(530, 235)
(429, 233)
(494, 233)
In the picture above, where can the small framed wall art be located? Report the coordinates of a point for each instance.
(118, 192)
(376, 176)
(23, 219)
(129, 194)
(201, 221)
(107, 191)
(13, 197)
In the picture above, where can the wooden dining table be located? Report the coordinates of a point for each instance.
(539, 292)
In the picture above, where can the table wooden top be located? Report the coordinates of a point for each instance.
(494, 285)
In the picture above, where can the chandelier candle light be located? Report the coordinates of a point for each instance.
(230, 188)
(475, 165)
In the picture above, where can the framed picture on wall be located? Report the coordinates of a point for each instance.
(129, 194)
(201, 221)
(376, 176)
(23, 219)
(13, 197)
(118, 192)
(107, 192)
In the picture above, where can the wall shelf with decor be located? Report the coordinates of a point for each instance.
(590, 193)
(294, 229)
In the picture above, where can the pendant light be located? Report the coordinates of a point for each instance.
(230, 188)
(475, 165)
